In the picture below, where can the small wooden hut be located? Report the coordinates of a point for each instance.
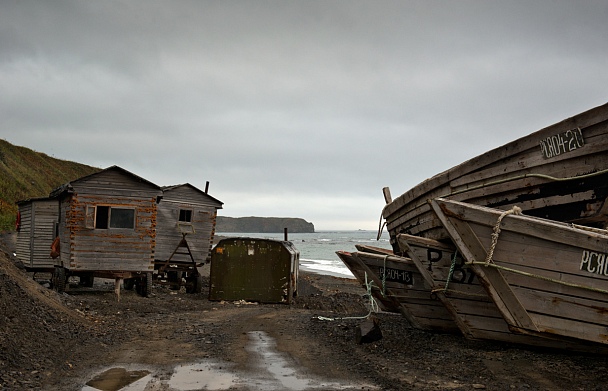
(36, 230)
(184, 234)
(107, 228)
(254, 269)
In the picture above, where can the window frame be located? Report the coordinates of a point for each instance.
(92, 215)
(186, 212)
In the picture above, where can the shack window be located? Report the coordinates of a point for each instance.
(101, 216)
(185, 215)
(122, 218)
(110, 217)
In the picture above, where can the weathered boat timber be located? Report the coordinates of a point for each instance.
(559, 173)
(546, 278)
(398, 287)
(459, 289)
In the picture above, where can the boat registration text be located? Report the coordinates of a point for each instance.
(396, 275)
(596, 263)
(561, 143)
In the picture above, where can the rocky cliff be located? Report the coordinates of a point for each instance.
(263, 225)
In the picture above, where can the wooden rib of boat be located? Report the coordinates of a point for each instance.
(546, 278)
(559, 173)
(399, 288)
(460, 291)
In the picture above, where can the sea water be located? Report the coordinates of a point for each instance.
(318, 249)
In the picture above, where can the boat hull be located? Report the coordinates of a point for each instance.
(568, 184)
(459, 289)
(399, 288)
(546, 278)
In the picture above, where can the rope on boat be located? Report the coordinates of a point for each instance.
(516, 210)
(488, 262)
(384, 277)
(451, 272)
(373, 305)
(524, 176)
(508, 269)
(381, 226)
(514, 178)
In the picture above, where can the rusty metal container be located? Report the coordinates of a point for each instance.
(254, 269)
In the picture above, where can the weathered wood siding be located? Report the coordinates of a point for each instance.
(169, 229)
(23, 249)
(37, 232)
(84, 248)
(546, 278)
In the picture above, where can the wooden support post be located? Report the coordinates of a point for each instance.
(117, 283)
(387, 195)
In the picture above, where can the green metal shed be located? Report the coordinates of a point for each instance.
(254, 269)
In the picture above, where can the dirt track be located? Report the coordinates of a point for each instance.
(61, 342)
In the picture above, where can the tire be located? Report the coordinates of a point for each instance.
(128, 283)
(59, 279)
(145, 285)
(195, 284)
(175, 279)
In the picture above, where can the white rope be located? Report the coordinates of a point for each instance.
(516, 210)
(373, 304)
(508, 269)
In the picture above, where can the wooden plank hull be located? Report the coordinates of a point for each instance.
(546, 278)
(464, 297)
(398, 287)
(569, 183)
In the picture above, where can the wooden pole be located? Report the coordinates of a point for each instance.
(117, 282)
(387, 195)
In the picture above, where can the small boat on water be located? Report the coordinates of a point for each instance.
(547, 278)
(398, 287)
(559, 173)
(460, 291)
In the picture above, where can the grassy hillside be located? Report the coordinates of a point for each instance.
(25, 173)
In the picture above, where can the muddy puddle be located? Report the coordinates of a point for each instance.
(268, 370)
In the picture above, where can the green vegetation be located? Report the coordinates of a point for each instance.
(25, 173)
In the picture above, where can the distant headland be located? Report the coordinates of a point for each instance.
(263, 225)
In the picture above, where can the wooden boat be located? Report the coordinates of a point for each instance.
(398, 287)
(460, 291)
(559, 173)
(546, 278)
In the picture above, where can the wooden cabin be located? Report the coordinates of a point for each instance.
(184, 234)
(107, 228)
(37, 228)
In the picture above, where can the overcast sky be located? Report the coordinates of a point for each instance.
(294, 108)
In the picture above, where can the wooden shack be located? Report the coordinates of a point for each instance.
(36, 230)
(184, 235)
(254, 269)
(107, 228)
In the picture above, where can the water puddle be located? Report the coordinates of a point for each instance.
(282, 376)
(270, 370)
(115, 379)
(202, 376)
